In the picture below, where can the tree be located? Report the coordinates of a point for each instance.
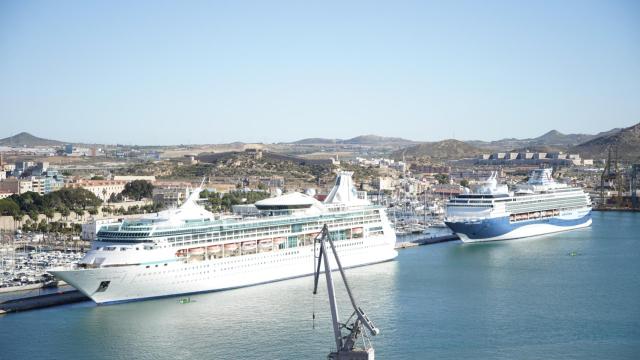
(464, 182)
(442, 178)
(17, 218)
(138, 190)
(8, 207)
(49, 213)
(65, 212)
(79, 213)
(33, 215)
(43, 226)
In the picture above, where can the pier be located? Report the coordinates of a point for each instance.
(42, 301)
(408, 241)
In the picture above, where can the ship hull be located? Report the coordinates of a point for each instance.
(169, 278)
(500, 228)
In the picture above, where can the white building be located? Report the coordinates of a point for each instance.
(90, 229)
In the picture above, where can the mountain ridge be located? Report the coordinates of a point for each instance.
(626, 140)
(25, 139)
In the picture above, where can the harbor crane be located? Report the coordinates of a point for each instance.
(347, 345)
(611, 177)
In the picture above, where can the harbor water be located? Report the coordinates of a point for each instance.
(573, 295)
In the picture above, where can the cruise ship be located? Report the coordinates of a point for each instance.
(191, 250)
(540, 206)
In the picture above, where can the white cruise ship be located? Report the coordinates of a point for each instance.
(540, 206)
(190, 250)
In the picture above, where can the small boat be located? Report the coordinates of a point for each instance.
(214, 248)
(231, 247)
(249, 245)
(279, 240)
(196, 251)
(181, 253)
(266, 244)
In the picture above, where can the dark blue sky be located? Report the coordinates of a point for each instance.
(168, 72)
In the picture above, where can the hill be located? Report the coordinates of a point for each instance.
(377, 140)
(28, 140)
(553, 139)
(627, 141)
(315, 141)
(445, 149)
(372, 140)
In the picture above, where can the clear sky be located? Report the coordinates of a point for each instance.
(170, 72)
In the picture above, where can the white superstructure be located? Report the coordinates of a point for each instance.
(538, 207)
(189, 250)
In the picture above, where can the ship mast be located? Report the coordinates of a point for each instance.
(346, 345)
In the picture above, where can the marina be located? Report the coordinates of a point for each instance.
(451, 300)
(27, 270)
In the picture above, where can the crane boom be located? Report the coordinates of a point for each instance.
(346, 345)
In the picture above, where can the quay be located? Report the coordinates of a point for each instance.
(42, 301)
(418, 240)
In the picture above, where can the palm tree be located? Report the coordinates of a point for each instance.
(17, 218)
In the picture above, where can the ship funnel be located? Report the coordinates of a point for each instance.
(344, 192)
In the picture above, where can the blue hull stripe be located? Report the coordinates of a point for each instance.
(489, 228)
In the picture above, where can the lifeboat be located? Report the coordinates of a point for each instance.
(250, 245)
(214, 248)
(357, 231)
(266, 244)
(231, 247)
(196, 251)
(181, 253)
(279, 240)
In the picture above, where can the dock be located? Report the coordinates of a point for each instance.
(42, 301)
(418, 241)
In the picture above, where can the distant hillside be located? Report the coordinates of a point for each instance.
(26, 139)
(373, 140)
(376, 140)
(445, 149)
(627, 140)
(315, 141)
(553, 139)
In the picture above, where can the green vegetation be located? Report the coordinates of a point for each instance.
(59, 227)
(220, 202)
(241, 165)
(142, 209)
(442, 178)
(464, 182)
(138, 190)
(63, 201)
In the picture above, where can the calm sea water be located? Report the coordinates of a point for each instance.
(521, 299)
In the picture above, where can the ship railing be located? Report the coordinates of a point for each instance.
(266, 221)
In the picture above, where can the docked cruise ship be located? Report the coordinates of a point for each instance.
(190, 250)
(540, 206)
